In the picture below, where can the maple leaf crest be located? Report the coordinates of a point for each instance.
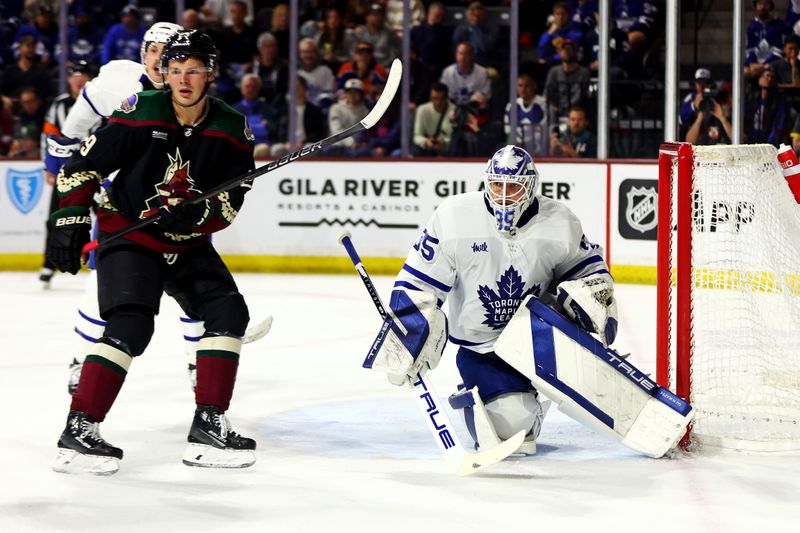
(500, 306)
(507, 159)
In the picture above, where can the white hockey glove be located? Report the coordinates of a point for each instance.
(414, 342)
(59, 149)
(590, 303)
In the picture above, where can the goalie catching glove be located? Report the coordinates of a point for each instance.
(68, 232)
(590, 303)
(412, 340)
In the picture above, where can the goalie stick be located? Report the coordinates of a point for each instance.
(436, 419)
(389, 91)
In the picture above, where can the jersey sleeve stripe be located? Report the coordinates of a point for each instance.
(89, 101)
(142, 123)
(462, 342)
(236, 142)
(580, 266)
(427, 279)
(407, 285)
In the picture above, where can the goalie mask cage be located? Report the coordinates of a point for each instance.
(728, 295)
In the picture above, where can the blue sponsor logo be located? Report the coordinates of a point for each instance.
(24, 188)
(479, 247)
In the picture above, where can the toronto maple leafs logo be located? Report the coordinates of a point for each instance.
(177, 183)
(500, 306)
(507, 159)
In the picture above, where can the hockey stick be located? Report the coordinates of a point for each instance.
(258, 331)
(436, 418)
(389, 91)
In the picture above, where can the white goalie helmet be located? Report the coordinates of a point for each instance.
(158, 33)
(511, 181)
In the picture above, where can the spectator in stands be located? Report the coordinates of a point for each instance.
(273, 71)
(191, 20)
(421, 77)
(573, 139)
(310, 123)
(531, 118)
(712, 124)
(637, 19)
(6, 128)
(432, 127)
(321, 81)
(382, 139)
(84, 37)
(787, 69)
(482, 34)
(333, 41)
(217, 13)
(768, 117)
(394, 15)
(385, 44)
(356, 12)
(254, 108)
(30, 123)
(468, 120)
(43, 28)
(237, 44)
(123, 40)
(27, 71)
(567, 84)
(280, 29)
(465, 77)
(432, 40)
(365, 68)
(562, 27)
(345, 113)
(764, 39)
(688, 110)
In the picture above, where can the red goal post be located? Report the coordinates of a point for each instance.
(728, 294)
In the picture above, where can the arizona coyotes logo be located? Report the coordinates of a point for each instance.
(177, 183)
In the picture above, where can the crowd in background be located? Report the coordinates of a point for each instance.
(459, 72)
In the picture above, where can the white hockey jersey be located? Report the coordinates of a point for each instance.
(101, 95)
(462, 258)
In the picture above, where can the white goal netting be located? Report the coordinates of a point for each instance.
(745, 300)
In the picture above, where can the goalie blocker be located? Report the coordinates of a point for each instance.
(590, 383)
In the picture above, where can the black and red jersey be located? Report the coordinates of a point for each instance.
(159, 159)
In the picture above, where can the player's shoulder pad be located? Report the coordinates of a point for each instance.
(230, 123)
(145, 105)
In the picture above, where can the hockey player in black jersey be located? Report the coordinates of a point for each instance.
(168, 146)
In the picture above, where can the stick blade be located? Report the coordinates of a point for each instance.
(389, 90)
(471, 463)
(258, 331)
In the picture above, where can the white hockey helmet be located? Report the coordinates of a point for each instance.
(158, 33)
(511, 180)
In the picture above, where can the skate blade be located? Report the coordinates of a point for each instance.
(72, 462)
(206, 456)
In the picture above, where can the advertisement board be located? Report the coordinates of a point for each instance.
(23, 207)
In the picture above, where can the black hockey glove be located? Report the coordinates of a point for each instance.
(182, 218)
(68, 232)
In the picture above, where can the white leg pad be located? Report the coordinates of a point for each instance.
(71, 462)
(590, 383)
(207, 456)
(476, 417)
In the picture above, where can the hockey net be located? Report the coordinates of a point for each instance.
(728, 329)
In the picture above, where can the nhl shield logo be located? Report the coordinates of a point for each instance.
(24, 188)
(642, 210)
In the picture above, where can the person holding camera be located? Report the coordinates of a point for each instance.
(712, 122)
(432, 128)
(573, 139)
(687, 114)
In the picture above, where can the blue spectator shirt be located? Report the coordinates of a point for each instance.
(764, 42)
(256, 114)
(121, 44)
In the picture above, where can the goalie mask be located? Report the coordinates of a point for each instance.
(160, 32)
(511, 180)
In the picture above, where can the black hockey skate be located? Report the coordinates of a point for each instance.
(45, 276)
(81, 449)
(213, 444)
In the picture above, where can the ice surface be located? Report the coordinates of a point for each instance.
(339, 449)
